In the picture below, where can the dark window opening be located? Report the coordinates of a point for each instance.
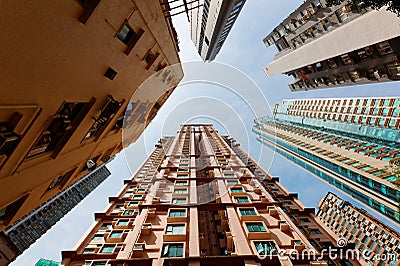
(8, 212)
(147, 58)
(8, 138)
(129, 36)
(150, 57)
(108, 111)
(89, 7)
(60, 181)
(125, 34)
(60, 128)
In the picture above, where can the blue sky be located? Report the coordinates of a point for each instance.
(200, 102)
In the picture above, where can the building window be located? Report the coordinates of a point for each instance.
(99, 263)
(128, 212)
(343, 13)
(106, 226)
(8, 139)
(255, 227)
(247, 211)
(133, 203)
(175, 229)
(177, 213)
(88, 251)
(107, 249)
(125, 34)
(89, 7)
(180, 191)
(384, 48)
(122, 223)
(236, 6)
(181, 183)
(60, 128)
(59, 181)
(265, 247)
(172, 250)
(315, 231)
(179, 201)
(241, 199)
(160, 66)
(149, 58)
(128, 36)
(304, 220)
(236, 190)
(107, 113)
(98, 237)
(116, 234)
(394, 69)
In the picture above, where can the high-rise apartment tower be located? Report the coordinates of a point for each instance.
(347, 142)
(210, 24)
(379, 242)
(342, 45)
(200, 200)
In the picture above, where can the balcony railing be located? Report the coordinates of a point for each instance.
(110, 108)
(60, 128)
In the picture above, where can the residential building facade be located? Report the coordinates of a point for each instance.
(375, 239)
(349, 143)
(25, 231)
(68, 78)
(210, 24)
(341, 45)
(199, 199)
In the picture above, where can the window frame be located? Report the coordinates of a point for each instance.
(179, 253)
(251, 226)
(181, 227)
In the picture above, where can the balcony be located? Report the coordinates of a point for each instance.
(146, 228)
(60, 128)
(151, 213)
(138, 250)
(108, 111)
(8, 140)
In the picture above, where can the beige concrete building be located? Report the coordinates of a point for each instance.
(347, 142)
(69, 69)
(199, 199)
(322, 47)
(378, 242)
(20, 235)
